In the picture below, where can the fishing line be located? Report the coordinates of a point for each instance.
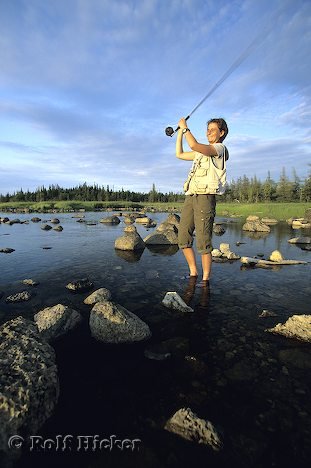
(251, 47)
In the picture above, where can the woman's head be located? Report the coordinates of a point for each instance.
(217, 130)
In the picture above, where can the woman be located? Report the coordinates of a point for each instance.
(206, 178)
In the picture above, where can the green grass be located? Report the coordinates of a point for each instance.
(280, 211)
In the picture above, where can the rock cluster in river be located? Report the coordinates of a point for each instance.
(253, 224)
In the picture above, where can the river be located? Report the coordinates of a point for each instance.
(254, 385)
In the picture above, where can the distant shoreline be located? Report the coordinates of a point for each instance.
(279, 211)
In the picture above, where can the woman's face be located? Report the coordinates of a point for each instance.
(213, 133)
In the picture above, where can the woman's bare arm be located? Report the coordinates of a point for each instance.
(180, 153)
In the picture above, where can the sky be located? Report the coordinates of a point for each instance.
(87, 88)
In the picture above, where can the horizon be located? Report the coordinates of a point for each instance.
(88, 89)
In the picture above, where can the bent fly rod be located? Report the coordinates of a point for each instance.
(255, 43)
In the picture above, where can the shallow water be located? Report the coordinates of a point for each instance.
(224, 365)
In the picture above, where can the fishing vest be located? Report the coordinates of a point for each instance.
(205, 177)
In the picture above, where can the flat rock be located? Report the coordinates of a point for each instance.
(112, 323)
(189, 426)
(300, 240)
(19, 297)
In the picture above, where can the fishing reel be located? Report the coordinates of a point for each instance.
(169, 131)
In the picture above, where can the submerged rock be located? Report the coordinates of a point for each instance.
(112, 323)
(19, 297)
(7, 250)
(28, 380)
(297, 326)
(189, 426)
(172, 300)
(81, 285)
(30, 282)
(55, 321)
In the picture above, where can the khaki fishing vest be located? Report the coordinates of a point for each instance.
(205, 178)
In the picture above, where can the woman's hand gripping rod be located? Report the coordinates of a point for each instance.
(170, 131)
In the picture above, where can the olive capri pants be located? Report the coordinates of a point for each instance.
(197, 214)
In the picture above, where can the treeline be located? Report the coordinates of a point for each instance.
(243, 190)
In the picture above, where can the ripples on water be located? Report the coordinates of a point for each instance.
(108, 389)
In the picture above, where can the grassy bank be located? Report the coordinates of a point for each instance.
(280, 211)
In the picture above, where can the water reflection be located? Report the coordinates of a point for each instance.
(129, 255)
(256, 235)
(163, 249)
(189, 293)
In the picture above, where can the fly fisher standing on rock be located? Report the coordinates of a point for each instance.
(206, 178)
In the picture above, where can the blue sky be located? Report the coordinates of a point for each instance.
(87, 88)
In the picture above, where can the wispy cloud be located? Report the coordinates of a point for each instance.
(87, 88)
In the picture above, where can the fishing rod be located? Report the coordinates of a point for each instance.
(255, 43)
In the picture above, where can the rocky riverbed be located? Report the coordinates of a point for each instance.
(246, 389)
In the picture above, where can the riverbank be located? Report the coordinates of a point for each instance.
(279, 211)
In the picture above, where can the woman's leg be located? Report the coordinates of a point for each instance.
(206, 266)
(190, 257)
(204, 213)
(185, 234)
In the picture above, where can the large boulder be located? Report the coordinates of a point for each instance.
(112, 323)
(297, 326)
(167, 236)
(29, 385)
(55, 321)
(131, 240)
